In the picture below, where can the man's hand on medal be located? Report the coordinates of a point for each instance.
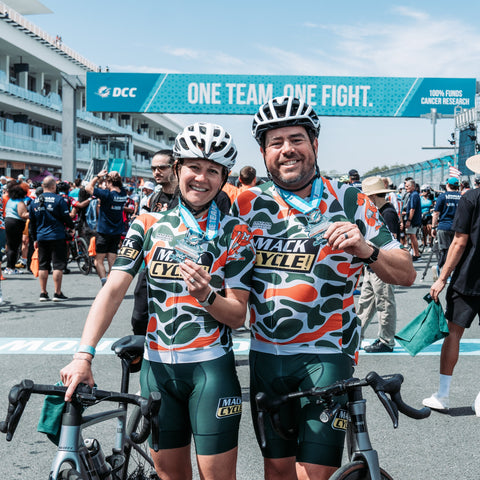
(347, 236)
(196, 278)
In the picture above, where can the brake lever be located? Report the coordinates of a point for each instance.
(155, 429)
(261, 428)
(389, 405)
(18, 398)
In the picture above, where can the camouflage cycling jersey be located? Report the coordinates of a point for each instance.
(179, 329)
(302, 293)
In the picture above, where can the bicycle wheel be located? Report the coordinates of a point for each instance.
(138, 463)
(357, 471)
(83, 260)
(69, 474)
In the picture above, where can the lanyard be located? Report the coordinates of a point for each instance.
(299, 203)
(212, 222)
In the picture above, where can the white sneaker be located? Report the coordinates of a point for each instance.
(436, 403)
(476, 406)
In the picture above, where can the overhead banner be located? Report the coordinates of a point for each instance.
(243, 94)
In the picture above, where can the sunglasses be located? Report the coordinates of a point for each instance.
(160, 167)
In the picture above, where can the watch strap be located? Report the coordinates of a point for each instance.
(209, 300)
(373, 257)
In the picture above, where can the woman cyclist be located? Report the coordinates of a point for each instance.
(198, 263)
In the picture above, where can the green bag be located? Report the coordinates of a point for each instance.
(425, 329)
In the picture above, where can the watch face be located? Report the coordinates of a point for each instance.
(211, 297)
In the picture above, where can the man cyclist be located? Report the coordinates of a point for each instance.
(312, 237)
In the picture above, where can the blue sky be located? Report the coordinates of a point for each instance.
(348, 38)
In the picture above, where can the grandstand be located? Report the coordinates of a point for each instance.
(43, 121)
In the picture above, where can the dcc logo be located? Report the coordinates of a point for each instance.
(229, 406)
(125, 92)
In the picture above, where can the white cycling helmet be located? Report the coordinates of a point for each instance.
(284, 112)
(207, 141)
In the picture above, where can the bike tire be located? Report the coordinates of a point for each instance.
(138, 463)
(83, 260)
(357, 470)
(69, 474)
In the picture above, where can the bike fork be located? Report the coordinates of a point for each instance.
(361, 447)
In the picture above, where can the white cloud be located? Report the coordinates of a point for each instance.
(220, 61)
(410, 12)
(413, 43)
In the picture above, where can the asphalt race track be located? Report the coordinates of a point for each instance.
(38, 339)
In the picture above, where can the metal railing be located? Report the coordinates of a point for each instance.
(12, 16)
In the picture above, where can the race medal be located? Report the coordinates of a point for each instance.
(189, 247)
(317, 225)
(317, 222)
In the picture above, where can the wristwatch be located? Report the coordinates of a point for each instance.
(373, 257)
(209, 300)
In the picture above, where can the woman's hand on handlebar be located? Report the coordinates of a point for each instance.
(77, 371)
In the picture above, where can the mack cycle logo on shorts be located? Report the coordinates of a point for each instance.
(228, 406)
(340, 421)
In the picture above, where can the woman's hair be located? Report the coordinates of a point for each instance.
(15, 191)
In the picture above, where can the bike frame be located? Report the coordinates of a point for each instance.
(358, 440)
(71, 448)
(79, 457)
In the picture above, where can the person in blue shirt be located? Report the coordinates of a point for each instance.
(442, 220)
(110, 224)
(414, 217)
(49, 214)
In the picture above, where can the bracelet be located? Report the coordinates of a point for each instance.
(82, 358)
(86, 349)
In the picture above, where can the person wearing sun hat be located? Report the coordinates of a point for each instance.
(377, 296)
(463, 293)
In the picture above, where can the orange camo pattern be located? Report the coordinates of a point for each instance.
(177, 322)
(311, 311)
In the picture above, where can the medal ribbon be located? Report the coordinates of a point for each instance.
(299, 203)
(212, 221)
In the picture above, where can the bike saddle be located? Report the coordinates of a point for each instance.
(130, 346)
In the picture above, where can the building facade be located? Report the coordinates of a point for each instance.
(41, 130)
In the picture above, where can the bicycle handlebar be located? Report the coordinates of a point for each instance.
(386, 387)
(84, 395)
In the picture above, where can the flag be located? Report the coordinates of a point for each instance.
(454, 172)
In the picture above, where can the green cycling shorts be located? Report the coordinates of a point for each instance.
(315, 442)
(203, 399)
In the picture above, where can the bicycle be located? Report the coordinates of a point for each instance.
(363, 462)
(83, 459)
(78, 251)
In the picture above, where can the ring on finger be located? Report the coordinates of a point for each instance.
(346, 235)
(192, 280)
